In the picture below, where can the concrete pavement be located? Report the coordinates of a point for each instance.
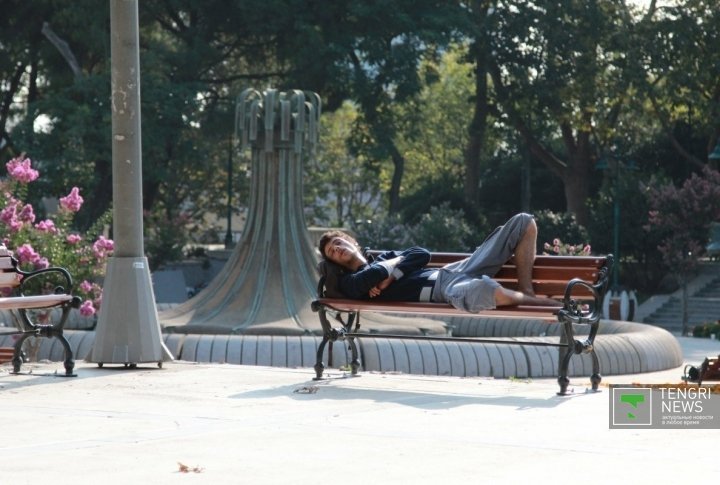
(233, 424)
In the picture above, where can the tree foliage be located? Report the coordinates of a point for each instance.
(342, 187)
(681, 217)
(426, 102)
(676, 51)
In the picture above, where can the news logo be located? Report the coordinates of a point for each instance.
(663, 406)
(631, 406)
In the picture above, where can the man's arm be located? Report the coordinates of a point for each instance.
(413, 259)
(357, 285)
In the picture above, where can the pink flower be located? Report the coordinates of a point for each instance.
(19, 168)
(9, 215)
(587, 249)
(87, 309)
(556, 242)
(73, 201)
(102, 247)
(42, 263)
(26, 254)
(73, 239)
(27, 214)
(86, 286)
(46, 226)
(15, 225)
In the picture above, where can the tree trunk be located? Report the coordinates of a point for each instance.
(576, 174)
(398, 172)
(101, 192)
(577, 190)
(478, 125)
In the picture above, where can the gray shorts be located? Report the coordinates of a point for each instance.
(468, 284)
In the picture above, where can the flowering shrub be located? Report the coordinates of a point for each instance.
(50, 242)
(559, 248)
(682, 217)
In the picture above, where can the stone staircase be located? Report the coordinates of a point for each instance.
(703, 306)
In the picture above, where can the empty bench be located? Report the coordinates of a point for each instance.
(579, 281)
(31, 296)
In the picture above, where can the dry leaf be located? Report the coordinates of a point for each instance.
(306, 390)
(183, 468)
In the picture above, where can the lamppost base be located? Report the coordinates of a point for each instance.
(128, 331)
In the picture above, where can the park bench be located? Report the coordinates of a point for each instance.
(30, 296)
(580, 281)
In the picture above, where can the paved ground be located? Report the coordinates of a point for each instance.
(232, 424)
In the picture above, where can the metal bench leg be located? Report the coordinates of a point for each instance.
(69, 362)
(567, 338)
(47, 332)
(319, 366)
(17, 355)
(355, 363)
(51, 331)
(595, 378)
(563, 379)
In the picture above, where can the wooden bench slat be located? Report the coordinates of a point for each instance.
(543, 273)
(593, 264)
(348, 305)
(6, 262)
(6, 354)
(439, 259)
(551, 289)
(9, 279)
(33, 302)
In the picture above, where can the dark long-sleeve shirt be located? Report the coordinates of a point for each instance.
(411, 277)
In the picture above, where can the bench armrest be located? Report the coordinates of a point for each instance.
(27, 276)
(571, 309)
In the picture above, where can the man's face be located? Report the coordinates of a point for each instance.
(340, 251)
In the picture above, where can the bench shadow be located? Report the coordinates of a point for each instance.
(340, 389)
(30, 376)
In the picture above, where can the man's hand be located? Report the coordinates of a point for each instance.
(390, 265)
(377, 289)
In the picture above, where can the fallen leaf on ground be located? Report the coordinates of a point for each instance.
(306, 390)
(183, 468)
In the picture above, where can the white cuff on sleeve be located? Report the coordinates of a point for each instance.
(388, 267)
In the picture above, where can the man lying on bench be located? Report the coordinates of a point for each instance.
(466, 285)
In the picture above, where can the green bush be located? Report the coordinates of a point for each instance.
(706, 329)
(441, 229)
(383, 233)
